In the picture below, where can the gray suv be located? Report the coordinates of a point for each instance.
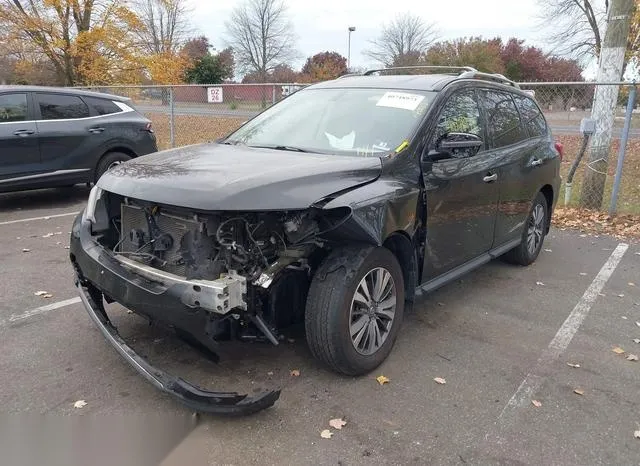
(52, 137)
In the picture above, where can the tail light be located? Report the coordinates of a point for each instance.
(560, 149)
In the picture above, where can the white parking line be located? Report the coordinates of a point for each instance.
(39, 310)
(33, 219)
(559, 344)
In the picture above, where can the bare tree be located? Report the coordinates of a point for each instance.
(261, 36)
(402, 41)
(166, 25)
(577, 25)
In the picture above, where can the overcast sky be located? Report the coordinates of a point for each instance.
(322, 24)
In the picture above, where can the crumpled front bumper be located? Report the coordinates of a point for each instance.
(88, 254)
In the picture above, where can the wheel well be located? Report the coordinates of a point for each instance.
(547, 191)
(402, 247)
(124, 150)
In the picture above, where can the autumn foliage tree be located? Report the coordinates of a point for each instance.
(324, 66)
(482, 54)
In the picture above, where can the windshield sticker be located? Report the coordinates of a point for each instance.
(402, 100)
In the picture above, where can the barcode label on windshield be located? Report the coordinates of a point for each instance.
(402, 100)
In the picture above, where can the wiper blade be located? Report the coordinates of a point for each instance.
(279, 147)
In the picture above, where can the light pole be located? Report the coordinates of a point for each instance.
(351, 29)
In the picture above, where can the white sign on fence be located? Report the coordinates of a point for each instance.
(214, 95)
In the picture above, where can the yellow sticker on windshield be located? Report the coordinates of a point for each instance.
(402, 146)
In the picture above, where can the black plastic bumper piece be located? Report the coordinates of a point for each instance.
(227, 403)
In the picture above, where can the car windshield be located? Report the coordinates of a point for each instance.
(359, 122)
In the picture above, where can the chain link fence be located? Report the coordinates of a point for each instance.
(190, 114)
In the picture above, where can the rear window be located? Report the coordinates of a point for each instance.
(61, 107)
(531, 116)
(13, 107)
(102, 106)
(503, 119)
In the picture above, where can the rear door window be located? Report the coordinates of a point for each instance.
(61, 107)
(102, 106)
(531, 116)
(13, 107)
(503, 119)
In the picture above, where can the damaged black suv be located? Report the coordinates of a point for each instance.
(333, 207)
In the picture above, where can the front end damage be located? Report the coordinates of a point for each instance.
(210, 276)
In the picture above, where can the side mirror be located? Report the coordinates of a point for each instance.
(456, 145)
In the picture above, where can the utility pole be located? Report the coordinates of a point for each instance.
(610, 69)
(351, 29)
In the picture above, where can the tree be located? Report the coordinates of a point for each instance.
(196, 48)
(482, 54)
(402, 41)
(324, 66)
(165, 25)
(211, 69)
(280, 74)
(523, 63)
(261, 36)
(86, 42)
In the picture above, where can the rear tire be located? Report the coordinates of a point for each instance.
(109, 160)
(350, 332)
(533, 234)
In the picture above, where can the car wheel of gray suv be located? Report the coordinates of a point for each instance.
(354, 308)
(109, 160)
(533, 234)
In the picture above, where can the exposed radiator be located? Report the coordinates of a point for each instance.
(134, 222)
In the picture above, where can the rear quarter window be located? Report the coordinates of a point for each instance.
(102, 106)
(531, 116)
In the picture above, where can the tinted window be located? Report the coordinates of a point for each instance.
(503, 120)
(13, 107)
(102, 106)
(460, 114)
(59, 107)
(532, 119)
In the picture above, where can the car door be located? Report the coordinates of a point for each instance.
(461, 191)
(19, 153)
(65, 134)
(513, 154)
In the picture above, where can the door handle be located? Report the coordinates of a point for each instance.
(23, 132)
(96, 130)
(490, 178)
(536, 162)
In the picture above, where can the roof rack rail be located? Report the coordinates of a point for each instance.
(348, 75)
(499, 78)
(460, 69)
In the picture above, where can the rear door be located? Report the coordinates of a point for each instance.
(461, 193)
(19, 154)
(513, 153)
(67, 135)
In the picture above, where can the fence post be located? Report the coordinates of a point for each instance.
(273, 94)
(622, 151)
(172, 135)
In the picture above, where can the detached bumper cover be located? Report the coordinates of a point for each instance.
(230, 403)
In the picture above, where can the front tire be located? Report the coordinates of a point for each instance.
(355, 308)
(533, 234)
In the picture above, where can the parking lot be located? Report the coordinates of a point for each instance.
(501, 338)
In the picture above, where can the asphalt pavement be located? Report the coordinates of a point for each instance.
(501, 338)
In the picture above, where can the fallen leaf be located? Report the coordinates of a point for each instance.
(47, 296)
(326, 433)
(337, 423)
(636, 340)
(584, 274)
(621, 295)
(548, 250)
(80, 404)
(48, 235)
(129, 311)
(440, 380)
(536, 403)
(636, 434)
(631, 284)
(578, 391)
(618, 350)
(26, 250)
(41, 293)
(58, 233)
(573, 365)
(624, 317)
(382, 379)
(295, 373)
(632, 357)
(539, 283)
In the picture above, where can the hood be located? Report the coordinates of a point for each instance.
(224, 177)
